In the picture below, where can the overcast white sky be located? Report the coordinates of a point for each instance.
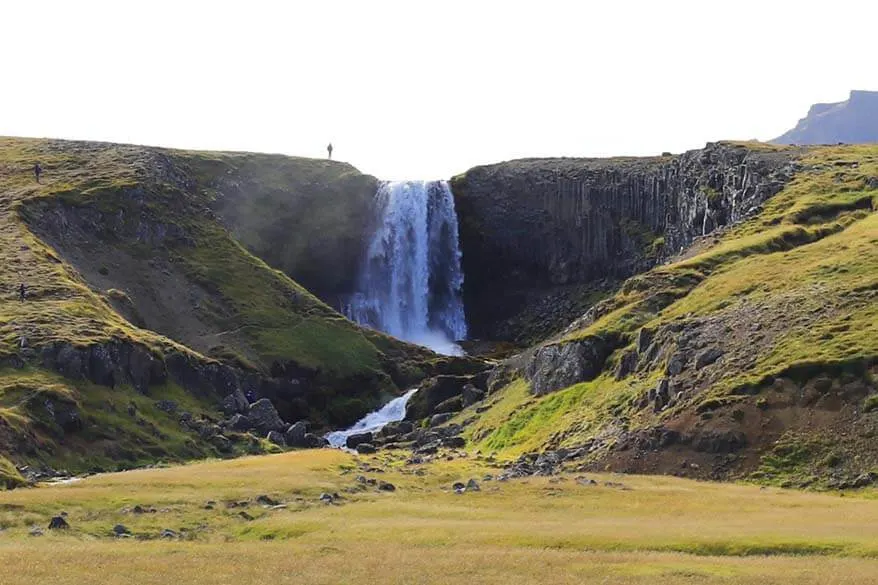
(424, 90)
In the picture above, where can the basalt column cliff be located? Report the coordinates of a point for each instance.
(542, 238)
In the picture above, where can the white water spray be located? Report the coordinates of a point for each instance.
(374, 421)
(411, 279)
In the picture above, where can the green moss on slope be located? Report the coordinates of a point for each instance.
(9, 475)
(808, 262)
(121, 244)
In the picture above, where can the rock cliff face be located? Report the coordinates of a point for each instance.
(853, 121)
(533, 229)
(141, 312)
(306, 217)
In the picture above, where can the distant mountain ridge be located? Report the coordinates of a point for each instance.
(854, 121)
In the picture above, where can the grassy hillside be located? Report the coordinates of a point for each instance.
(789, 299)
(306, 217)
(561, 530)
(119, 244)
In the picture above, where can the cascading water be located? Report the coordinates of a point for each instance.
(410, 282)
(374, 421)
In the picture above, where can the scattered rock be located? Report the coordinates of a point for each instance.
(58, 523)
(245, 515)
(313, 441)
(644, 338)
(707, 357)
(326, 498)
(386, 486)
(397, 428)
(265, 500)
(661, 395)
(276, 438)
(453, 404)
(676, 364)
(222, 443)
(627, 364)
(356, 439)
(472, 395)
(36, 531)
(864, 479)
(239, 423)
(454, 442)
(169, 534)
(472, 486)
(235, 403)
(366, 448)
(120, 530)
(295, 434)
(440, 419)
(428, 449)
(432, 393)
(264, 416)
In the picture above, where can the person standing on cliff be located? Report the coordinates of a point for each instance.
(22, 292)
(329, 150)
(38, 171)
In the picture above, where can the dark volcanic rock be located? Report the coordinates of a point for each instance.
(235, 402)
(707, 357)
(357, 439)
(434, 392)
(529, 228)
(627, 364)
(471, 395)
(295, 434)
(441, 419)
(453, 404)
(239, 422)
(396, 428)
(276, 438)
(314, 441)
(264, 417)
(365, 448)
(560, 365)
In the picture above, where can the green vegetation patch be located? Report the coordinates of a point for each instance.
(809, 260)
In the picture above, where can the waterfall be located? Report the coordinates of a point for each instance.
(410, 282)
(374, 421)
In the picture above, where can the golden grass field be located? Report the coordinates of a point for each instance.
(536, 530)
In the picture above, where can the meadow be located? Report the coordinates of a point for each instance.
(261, 520)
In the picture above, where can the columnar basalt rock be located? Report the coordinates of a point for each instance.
(535, 226)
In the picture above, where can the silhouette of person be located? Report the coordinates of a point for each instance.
(329, 150)
(37, 171)
(22, 292)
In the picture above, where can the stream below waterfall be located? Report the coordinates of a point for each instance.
(374, 421)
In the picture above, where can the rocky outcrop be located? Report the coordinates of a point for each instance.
(446, 394)
(306, 217)
(560, 365)
(853, 121)
(531, 229)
